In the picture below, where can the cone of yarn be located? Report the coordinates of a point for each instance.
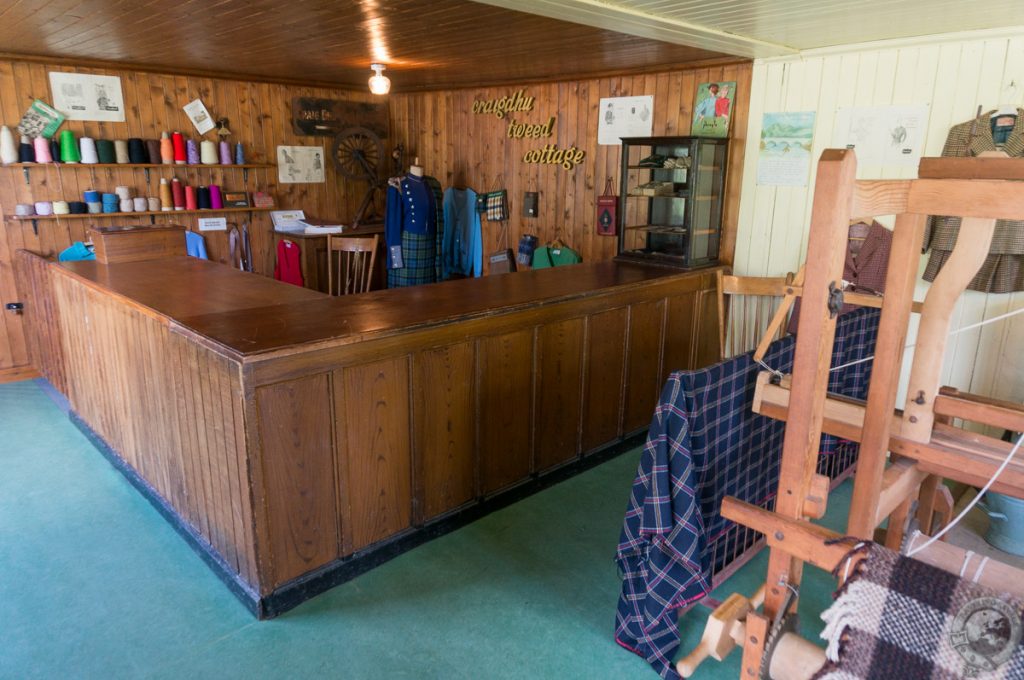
(166, 198)
(137, 152)
(190, 198)
(68, 147)
(91, 196)
(61, 208)
(24, 210)
(208, 152)
(121, 151)
(239, 154)
(123, 192)
(153, 151)
(55, 150)
(216, 200)
(8, 150)
(141, 204)
(87, 146)
(26, 152)
(105, 151)
(78, 207)
(153, 203)
(203, 198)
(127, 205)
(42, 147)
(225, 153)
(94, 207)
(166, 149)
(110, 203)
(179, 148)
(43, 208)
(192, 152)
(178, 194)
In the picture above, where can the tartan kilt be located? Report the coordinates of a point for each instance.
(419, 252)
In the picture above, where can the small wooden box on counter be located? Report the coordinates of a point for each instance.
(130, 244)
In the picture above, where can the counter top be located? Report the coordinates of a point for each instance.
(247, 314)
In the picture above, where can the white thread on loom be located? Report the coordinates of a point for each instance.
(967, 560)
(980, 569)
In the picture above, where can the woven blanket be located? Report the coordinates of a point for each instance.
(899, 618)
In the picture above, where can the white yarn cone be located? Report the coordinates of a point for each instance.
(8, 149)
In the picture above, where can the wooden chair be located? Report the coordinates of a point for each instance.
(357, 257)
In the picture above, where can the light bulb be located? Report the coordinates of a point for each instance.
(379, 84)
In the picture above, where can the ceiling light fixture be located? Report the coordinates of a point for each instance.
(379, 83)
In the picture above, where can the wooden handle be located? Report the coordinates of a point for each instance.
(687, 666)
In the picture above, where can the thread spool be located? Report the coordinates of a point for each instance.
(43, 208)
(190, 198)
(26, 152)
(123, 192)
(225, 153)
(140, 204)
(153, 151)
(24, 210)
(166, 149)
(239, 154)
(166, 198)
(192, 152)
(178, 194)
(68, 147)
(216, 200)
(153, 203)
(121, 151)
(178, 143)
(87, 147)
(105, 151)
(8, 150)
(137, 152)
(61, 208)
(109, 198)
(203, 198)
(55, 150)
(127, 205)
(110, 203)
(94, 207)
(42, 147)
(208, 152)
(78, 207)
(91, 196)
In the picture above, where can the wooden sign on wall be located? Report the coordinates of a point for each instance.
(327, 117)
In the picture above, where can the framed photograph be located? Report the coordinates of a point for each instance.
(712, 109)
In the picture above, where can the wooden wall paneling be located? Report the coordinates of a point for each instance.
(679, 333)
(444, 402)
(374, 444)
(298, 475)
(643, 370)
(39, 318)
(559, 399)
(505, 405)
(606, 358)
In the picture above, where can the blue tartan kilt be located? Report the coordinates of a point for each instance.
(419, 253)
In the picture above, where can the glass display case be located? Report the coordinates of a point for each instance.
(670, 208)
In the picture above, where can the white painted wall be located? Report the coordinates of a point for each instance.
(953, 74)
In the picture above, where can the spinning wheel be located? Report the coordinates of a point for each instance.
(358, 154)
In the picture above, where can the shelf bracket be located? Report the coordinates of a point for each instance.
(35, 227)
(152, 219)
(25, 171)
(146, 172)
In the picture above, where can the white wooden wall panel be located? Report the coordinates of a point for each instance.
(953, 78)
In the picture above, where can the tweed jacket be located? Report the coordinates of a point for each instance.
(1003, 270)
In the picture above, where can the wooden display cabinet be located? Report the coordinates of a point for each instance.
(670, 208)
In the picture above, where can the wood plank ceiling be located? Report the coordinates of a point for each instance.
(426, 45)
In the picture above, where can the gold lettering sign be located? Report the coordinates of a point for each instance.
(552, 155)
(519, 101)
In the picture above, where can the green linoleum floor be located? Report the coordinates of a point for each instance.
(94, 584)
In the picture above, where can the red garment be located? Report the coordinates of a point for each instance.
(287, 268)
(722, 106)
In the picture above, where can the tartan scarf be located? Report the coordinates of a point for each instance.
(897, 617)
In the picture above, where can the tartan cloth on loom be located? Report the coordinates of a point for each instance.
(706, 443)
(898, 617)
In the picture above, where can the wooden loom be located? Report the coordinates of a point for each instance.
(926, 447)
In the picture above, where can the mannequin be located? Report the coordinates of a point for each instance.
(416, 169)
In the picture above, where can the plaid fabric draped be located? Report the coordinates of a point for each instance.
(900, 618)
(705, 443)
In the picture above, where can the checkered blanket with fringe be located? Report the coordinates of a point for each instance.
(897, 617)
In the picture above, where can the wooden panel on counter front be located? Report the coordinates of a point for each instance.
(445, 428)
(606, 356)
(559, 376)
(646, 325)
(373, 420)
(40, 319)
(505, 396)
(298, 472)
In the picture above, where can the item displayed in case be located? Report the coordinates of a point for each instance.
(607, 206)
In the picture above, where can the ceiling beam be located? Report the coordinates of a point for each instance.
(630, 21)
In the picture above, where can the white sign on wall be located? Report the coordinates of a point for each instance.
(882, 135)
(81, 96)
(624, 117)
(213, 224)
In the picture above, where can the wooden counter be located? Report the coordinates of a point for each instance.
(299, 439)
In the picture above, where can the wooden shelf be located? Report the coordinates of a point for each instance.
(122, 215)
(77, 166)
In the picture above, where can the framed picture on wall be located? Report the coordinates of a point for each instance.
(712, 109)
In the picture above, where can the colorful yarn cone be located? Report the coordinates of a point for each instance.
(105, 151)
(121, 151)
(153, 151)
(178, 194)
(192, 152)
(179, 148)
(216, 200)
(239, 154)
(26, 152)
(42, 147)
(55, 150)
(68, 147)
(8, 150)
(225, 153)
(166, 198)
(137, 151)
(87, 147)
(166, 149)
